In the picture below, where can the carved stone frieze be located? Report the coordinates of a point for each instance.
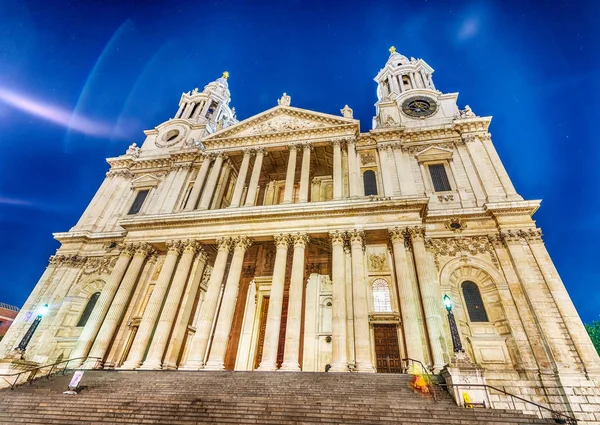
(284, 123)
(415, 150)
(451, 247)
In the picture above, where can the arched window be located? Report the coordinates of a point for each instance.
(474, 302)
(88, 310)
(381, 296)
(370, 182)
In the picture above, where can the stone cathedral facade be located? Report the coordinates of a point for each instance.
(292, 240)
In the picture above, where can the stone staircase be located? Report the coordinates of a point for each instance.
(178, 397)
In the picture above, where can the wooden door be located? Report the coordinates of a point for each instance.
(387, 350)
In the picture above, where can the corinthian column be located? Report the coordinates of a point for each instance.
(144, 333)
(208, 308)
(362, 332)
(338, 324)
(305, 173)
(386, 177)
(211, 184)
(169, 310)
(572, 321)
(271, 342)
(408, 299)
(291, 353)
(119, 303)
(291, 175)
(353, 169)
(198, 183)
(216, 360)
(430, 295)
(253, 187)
(241, 180)
(337, 169)
(86, 339)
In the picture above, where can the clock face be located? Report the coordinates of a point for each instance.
(419, 107)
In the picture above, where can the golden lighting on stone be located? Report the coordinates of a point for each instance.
(392, 50)
(226, 75)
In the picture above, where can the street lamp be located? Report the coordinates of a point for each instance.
(458, 348)
(27, 337)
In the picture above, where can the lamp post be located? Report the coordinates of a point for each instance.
(29, 334)
(458, 348)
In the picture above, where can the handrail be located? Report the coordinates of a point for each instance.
(33, 371)
(429, 375)
(555, 414)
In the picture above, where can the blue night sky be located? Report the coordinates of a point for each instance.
(81, 80)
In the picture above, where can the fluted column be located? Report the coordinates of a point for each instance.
(169, 310)
(432, 300)
(408, 299)
(144, 333)
(216, 360)
(338, 325)
(337, 169)
(291, 175)
(211, 184)
(119, 303)
(571, 319)
(241, 180)
(208, 308)
(253, 187)
(271, 342)
(86, 339)
(362, 331)
(386, 176)
(353, 169)
(198, 183)
(305, 173)
(291, 353)
(349, 302)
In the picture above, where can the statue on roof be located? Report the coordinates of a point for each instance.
(285, 100)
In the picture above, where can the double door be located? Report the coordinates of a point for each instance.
(387, 350)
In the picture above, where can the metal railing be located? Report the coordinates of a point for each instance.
(430, 380)
(558, 417)
(34, 373)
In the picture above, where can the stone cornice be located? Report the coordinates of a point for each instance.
(75, 236)
(513, 207)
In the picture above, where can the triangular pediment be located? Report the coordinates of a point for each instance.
(281, 119)
(434, 153)
(147, 180)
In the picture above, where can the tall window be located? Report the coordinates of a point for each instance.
(88, 310)
(474, 302)
(370, 182)
(439, 178)
(381, 296)
(140, 197)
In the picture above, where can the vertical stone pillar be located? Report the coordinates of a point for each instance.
(241, 180)
(413, 82)
(550, 327)
(169, 310)
(211, 184)
(305, 173)
(405, 175)
(198, 183)
(337, 170)
(119, 304)
(507, 184)
(291, 353)
(432, 299)
(208, 308)
(271, 341)
(484, 170)
(216, 360)
(571, 319)
(86, 339)
(386, 176)
(349, 303)
(253, 187)
(316, 194)
(408, 299)
(353, 169)
(362, 331)
(144, 333)
(338, 325)
(291, 175)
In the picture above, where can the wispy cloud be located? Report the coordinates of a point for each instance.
(13, 201)
(55, 114)
(469, 28)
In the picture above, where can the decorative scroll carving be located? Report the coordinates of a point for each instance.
(455, 224)
(337, 238)
(242, 242)
(97, 265)
(367, 158)
(224, 244)
(378, 263)
(451, 247)
(415, 150)
(280, 124)
(445, 198)
(282, 240)
(300, 239)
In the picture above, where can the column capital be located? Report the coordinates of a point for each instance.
(174, 247)
(292, 146)
(350, 140)
(337, 238)
(142, 249)
(496, 240)
(242, 242)
(532, 235)
(470, 138)
(224, 244)
(416, 233)
(307, 146)
(202, 255)
(317, 180)
(356, 236)
(282, 240)
(220, 154)
(190, 246)
(511, 236)
(208, 155)
(337, 142)
(248, 151)
(260, 151)
(300, 239)
(397, 234)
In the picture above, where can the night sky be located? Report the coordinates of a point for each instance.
(81, 80)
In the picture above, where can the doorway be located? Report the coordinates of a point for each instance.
(387, 350)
